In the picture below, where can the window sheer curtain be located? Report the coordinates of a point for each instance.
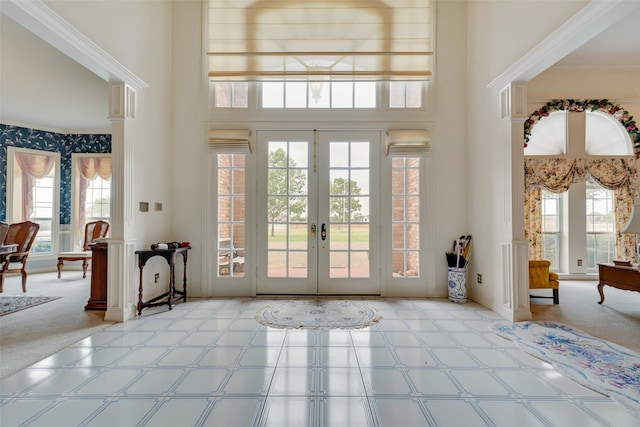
(89, 168)
(33, 166)
(317, 40)
(557, 175)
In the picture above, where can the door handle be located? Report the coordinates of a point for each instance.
(313, 231)
(323, 232)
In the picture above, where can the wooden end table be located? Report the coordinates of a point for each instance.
(621, 277)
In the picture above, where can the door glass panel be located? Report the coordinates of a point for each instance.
(349, 205)
(288, 206)
(339, 262)
(360, 264)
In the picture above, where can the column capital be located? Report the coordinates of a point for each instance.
(122, 101)
(513, 101)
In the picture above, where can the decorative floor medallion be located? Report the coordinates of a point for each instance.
(300, 314)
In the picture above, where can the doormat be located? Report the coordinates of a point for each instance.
(597, 364)
(298, 314)
(10, 305)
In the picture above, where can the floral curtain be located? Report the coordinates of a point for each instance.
(557, 175)
(33, 166)
(89, 168)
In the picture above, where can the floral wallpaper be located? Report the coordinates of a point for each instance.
(14, 136)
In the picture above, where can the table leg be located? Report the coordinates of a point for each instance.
(140, 293)
(600, 286)
(184, 277)
(172, 283)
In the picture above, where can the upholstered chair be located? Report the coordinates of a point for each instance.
(541, 278)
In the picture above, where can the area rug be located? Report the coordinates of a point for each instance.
(597, 364)
(299, 314)
(10, 305)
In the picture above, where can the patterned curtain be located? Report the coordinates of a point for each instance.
(33, 166)
(533, 221)
(557, 175)
(625, 243)
(89, 168)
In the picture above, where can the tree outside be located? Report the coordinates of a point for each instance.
(286, 196)
(339, 208)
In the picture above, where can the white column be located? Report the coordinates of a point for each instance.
(514, 252)
(121, 257)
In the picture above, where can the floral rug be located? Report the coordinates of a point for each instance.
(299, 314)
(10, 305)
(597, 364)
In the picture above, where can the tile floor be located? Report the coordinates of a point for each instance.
(209, 363)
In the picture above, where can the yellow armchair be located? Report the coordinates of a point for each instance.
(541, 278)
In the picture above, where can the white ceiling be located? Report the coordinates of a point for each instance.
(616, 47)
(61, 94)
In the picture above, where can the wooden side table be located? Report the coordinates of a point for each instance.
(621, 277)
(98, 295)
(168, 298)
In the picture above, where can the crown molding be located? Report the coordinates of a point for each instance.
(594, 18)
(56, 130)
(41, 20)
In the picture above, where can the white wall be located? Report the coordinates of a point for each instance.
(499, 33)
(188, 150)
(138, 34)
(450, 145)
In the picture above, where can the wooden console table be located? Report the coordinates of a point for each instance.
(621, 277)
(169, 297)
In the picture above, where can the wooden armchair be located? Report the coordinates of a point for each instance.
(541, 278)
(22, 234)
(92, 230)
(4, 229)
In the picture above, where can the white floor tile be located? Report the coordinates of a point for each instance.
(229, 411)
(288, 412)
(208, 362)
(345, 412)
(398, 412)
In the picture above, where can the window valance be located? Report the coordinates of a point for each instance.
(229, 141)
(316, 40)
(408, 143)
(557, 175)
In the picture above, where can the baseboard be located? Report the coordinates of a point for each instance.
(581, 276)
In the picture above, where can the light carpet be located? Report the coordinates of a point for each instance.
(605, 367)
(10, 305)
(299, 314)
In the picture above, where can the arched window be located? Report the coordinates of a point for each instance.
(590, 159)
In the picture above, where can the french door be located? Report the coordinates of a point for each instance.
(317, 213)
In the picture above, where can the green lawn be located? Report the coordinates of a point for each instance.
(359, 233)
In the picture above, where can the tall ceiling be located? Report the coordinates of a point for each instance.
(43, 87)
(61, 94)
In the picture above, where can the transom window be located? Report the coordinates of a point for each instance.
(320, 94)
